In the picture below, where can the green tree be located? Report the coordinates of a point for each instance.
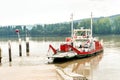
(103, 26)
(85, 23)
(116, 25)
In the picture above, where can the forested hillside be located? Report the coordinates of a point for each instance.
(101, 26)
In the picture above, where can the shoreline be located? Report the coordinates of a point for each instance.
(41, 72)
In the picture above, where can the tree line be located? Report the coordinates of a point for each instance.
(101, 26)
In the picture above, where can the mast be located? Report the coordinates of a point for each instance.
(91, 25)
(71, 25)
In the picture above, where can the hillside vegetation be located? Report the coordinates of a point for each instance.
(101, 26)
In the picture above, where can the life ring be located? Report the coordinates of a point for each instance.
(68, 39)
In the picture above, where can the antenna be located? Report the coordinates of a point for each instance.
(71, 25)
(91, 24)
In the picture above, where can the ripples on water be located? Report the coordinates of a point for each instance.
(105, 66)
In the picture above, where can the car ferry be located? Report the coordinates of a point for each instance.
(81, 44)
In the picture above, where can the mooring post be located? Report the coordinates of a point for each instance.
(27, 44)
(9, 49)
(0, 55)
(19, 39)
(20, 48)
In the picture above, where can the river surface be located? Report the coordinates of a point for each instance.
(105, 66)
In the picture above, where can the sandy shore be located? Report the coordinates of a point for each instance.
(43, 72)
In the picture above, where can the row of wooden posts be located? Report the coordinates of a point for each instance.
(20, 49)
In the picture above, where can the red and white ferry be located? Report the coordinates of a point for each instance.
(80, 44)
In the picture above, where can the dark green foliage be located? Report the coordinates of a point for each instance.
(102, 26)
(116, 26)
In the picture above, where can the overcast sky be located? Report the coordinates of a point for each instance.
(15, 12)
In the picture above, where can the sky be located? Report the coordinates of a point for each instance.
(26, 12)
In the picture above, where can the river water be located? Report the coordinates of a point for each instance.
(105, 66)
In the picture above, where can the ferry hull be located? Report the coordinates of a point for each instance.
(68, 58)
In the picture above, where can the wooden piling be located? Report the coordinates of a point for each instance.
(27, 45)
(0, 55)
(20, 48)
(9, 49)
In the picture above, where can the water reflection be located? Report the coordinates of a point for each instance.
(83, 67)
